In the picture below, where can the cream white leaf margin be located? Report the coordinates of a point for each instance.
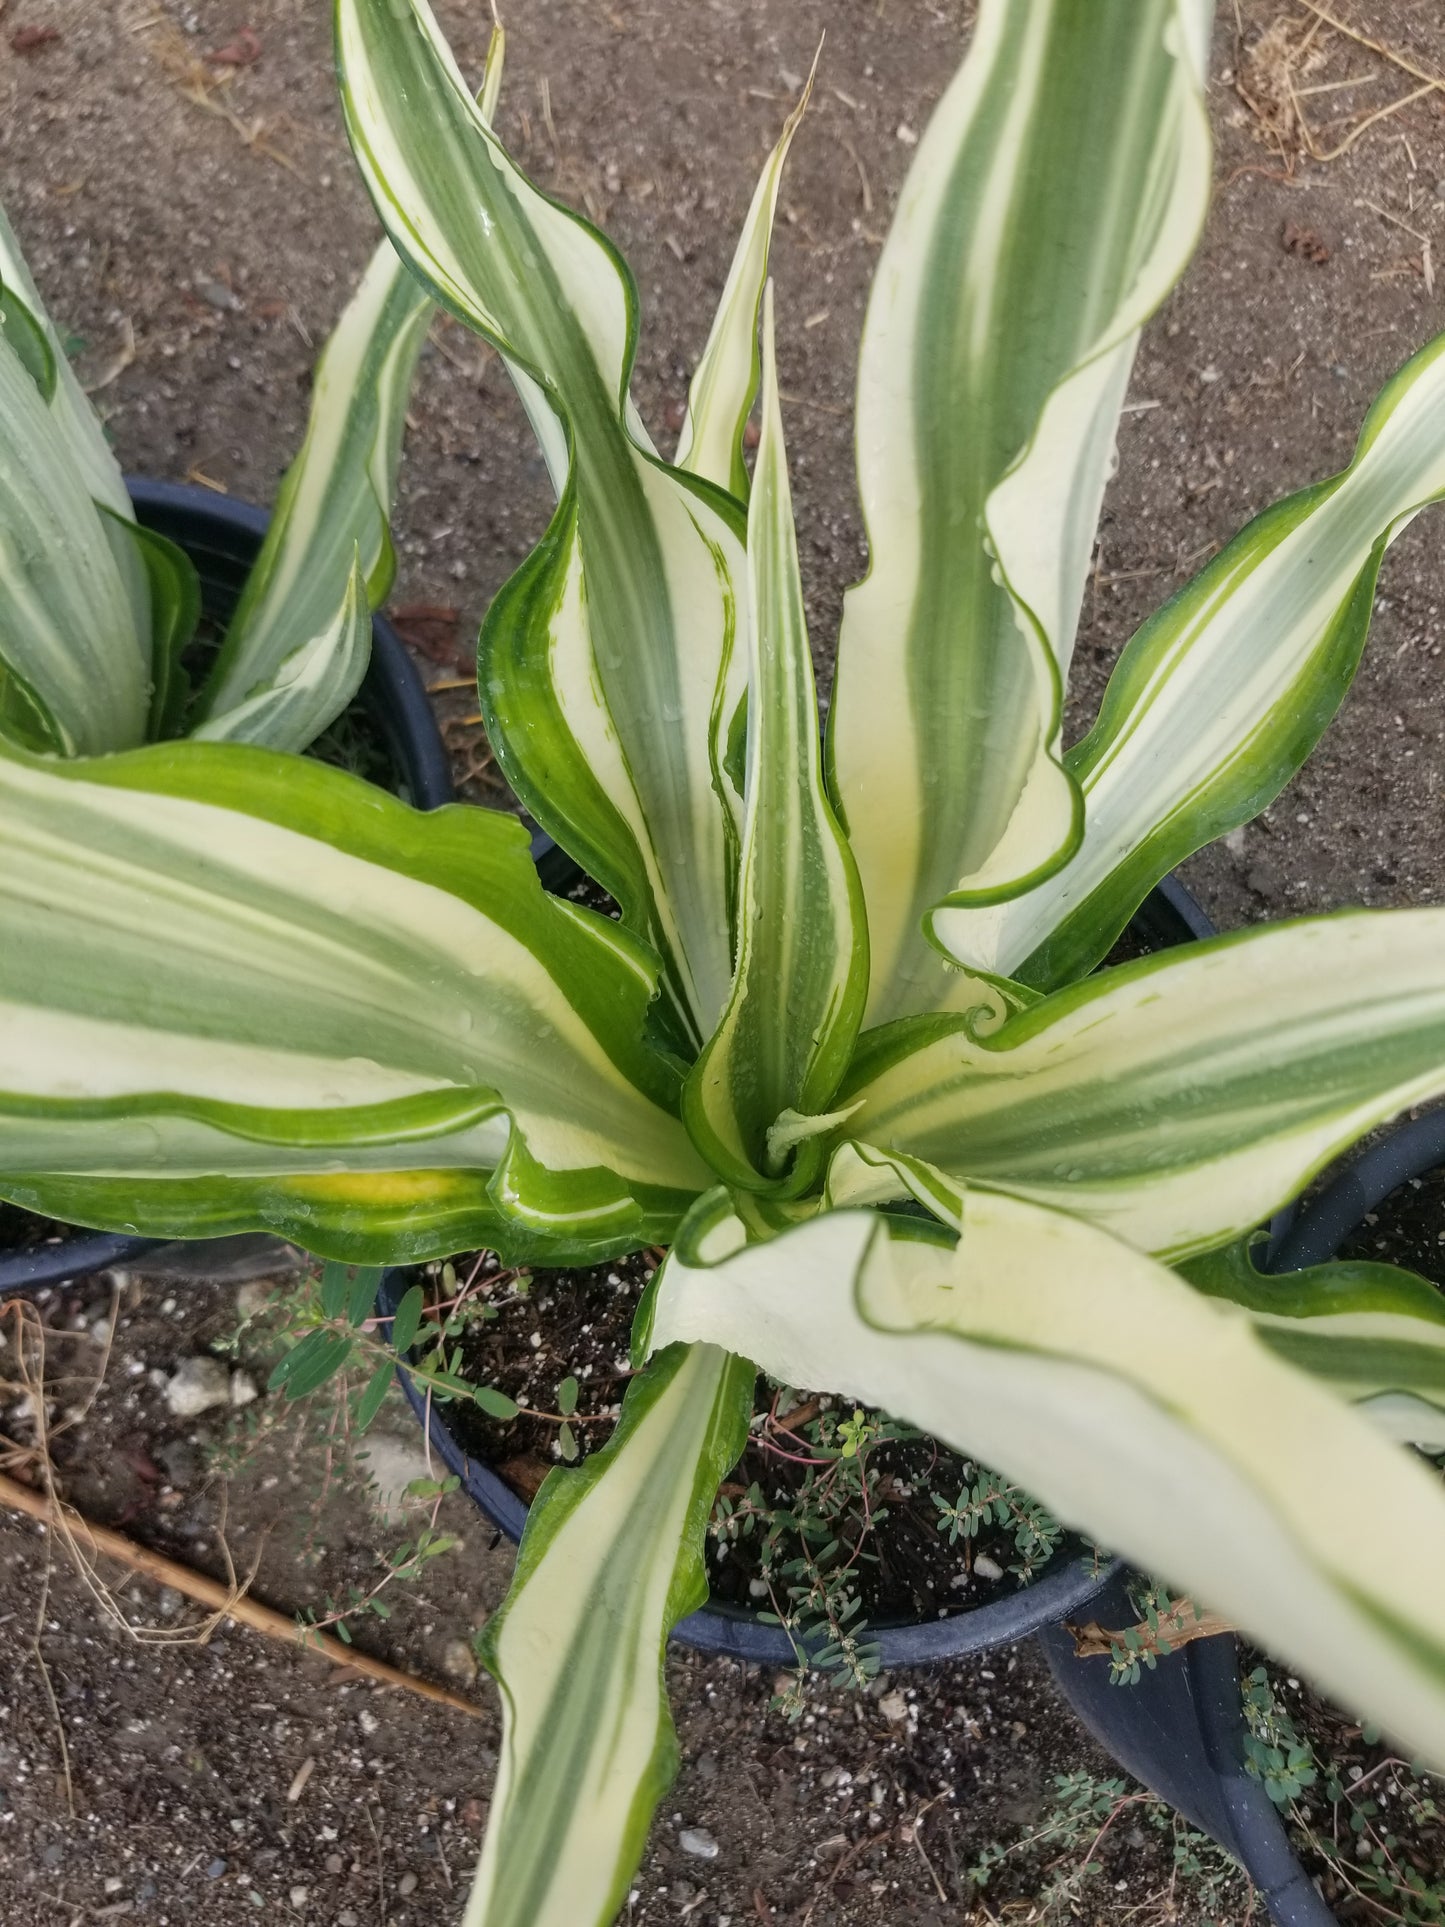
(1054, 199)
(1222, 694)
(611, 1559)
(725, 384)
(1130, 1405)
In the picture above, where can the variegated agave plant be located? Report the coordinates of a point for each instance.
(241, 990)
(96, 612)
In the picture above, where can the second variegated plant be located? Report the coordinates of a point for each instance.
(843, 1051)
(97, 612)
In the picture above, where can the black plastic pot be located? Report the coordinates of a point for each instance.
(1169, 917)
(223, 537)
(1180, 1729)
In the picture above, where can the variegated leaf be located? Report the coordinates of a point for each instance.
(1180, 1099)
(70, 408)
(1223, 694)
(309, 688)
(1054, 199)
(610, 1561)
(1372, 1331)
(610, 665)
(725, 383)
(1126, 1401)
(75, 661)
(784, 1039)
(297, 962)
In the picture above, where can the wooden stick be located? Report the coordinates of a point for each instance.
(1093, 1641)
(219, 1598)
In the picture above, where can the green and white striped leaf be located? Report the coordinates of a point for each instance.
(297, 628)
(785, 1038)
(610, 667)
(309, 688)
(1223, 694)
(219, 937)
(611, 1559)
(1374, 1332)
(70, 408)
(73, 590)
(1053, 201)
(1179, 1100)
(1127, 1402)
(725, 383)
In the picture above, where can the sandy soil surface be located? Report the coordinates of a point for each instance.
(199, 242)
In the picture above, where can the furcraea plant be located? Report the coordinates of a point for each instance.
(843, 1052)
(97, 612)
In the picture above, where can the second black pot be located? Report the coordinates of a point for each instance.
(1180, 1728)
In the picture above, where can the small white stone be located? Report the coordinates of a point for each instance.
(906, 134)
(196, 1386)
(299, 1897)
(392, 1464)
(367, 1721)
(457, 1661)
(698, 1842)
(987, 1568)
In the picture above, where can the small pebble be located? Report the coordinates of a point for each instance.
(334, 1863)
(367, 1721)
(406, 1885)
(216, 294)
(893, 1706)
(196, 1385)
(987, 1568)
(698, 1842)
(457, 1661)
(114, 1884)
(215, 1869)
(299, 1896)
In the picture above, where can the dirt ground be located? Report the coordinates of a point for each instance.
(199, 241)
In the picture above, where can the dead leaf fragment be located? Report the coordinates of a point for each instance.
(29, 40)
(1304, 242)
(243, 51)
